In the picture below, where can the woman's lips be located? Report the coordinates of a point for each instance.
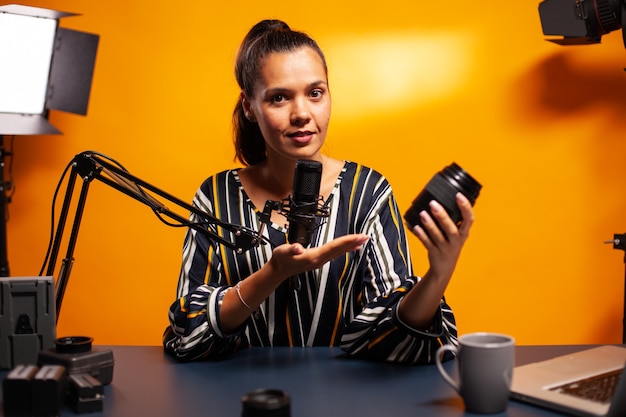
(301, 137)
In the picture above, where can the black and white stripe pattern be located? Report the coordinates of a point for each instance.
(349, 302)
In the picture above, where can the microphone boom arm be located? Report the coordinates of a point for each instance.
(89, 166)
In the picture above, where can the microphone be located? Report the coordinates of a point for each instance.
(303, 203)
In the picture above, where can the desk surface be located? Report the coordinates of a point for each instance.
(321, 383)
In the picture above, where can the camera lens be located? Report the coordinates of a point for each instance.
(266, 403)
(443, 188)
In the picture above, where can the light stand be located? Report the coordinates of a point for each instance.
(619, 242)
(4, 186)
(91, 166)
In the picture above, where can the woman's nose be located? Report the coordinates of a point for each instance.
(300, 112)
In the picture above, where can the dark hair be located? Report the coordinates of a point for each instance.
(265, 38)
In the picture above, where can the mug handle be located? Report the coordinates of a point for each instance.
(442, 371)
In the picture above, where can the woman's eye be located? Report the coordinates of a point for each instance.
(278, 98)
(316, 93)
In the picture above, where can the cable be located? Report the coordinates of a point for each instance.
(52, 230)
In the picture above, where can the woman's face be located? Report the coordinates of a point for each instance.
(291, 104)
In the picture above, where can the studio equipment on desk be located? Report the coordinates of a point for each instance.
(27, 319)
(45, 67)
(443, 187)
(304, 209)
(581, 22)
(71, 374)
(77, 355)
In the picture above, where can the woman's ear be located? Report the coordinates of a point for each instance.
(247, 111)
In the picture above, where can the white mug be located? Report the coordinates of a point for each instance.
(485, 364)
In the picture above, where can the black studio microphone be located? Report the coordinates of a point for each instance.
(303, 201)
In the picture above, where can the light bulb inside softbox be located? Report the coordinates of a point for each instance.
(25, 53)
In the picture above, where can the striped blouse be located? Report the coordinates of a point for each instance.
(349, 302)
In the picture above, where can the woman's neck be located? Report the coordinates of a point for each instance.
(273, 180)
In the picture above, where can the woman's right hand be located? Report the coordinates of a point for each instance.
(292, 258)
(287, 260)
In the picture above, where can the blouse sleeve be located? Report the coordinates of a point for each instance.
(195, 331)
(376, 332)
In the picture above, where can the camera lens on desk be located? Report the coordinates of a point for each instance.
(266, 403)
(443, 188)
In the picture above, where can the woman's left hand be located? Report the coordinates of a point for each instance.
(444, 243)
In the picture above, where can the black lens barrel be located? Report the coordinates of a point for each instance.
(443, 188)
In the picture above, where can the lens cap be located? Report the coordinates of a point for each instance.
(73, 344)
(266, 403)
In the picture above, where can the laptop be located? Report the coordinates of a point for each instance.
(585, 383)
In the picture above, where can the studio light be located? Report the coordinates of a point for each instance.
(43, 67)
(582, 21)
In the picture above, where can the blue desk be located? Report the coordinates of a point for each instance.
(321, 383)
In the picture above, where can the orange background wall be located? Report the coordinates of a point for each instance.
(416, 85)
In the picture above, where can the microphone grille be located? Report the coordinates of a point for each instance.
(307, 178)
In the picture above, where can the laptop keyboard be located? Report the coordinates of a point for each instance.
(599, 388)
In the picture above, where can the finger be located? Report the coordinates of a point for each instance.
(431, 228)
(446, 226)
(466, 211)
(337, 247)
(347, 243)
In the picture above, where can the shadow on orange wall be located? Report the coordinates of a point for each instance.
(562, 86)
(583, 88)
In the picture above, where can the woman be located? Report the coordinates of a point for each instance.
(354, 287)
